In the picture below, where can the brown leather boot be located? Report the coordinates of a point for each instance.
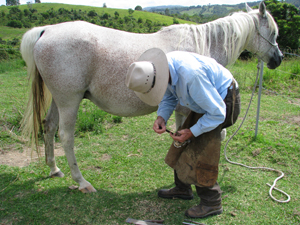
(186, 194)
(201, 211)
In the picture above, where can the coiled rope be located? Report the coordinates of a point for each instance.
(272, 187)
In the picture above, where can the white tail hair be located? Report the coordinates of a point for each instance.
(40, 96)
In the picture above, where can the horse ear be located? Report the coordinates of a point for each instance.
(262, 9)
(248, 8)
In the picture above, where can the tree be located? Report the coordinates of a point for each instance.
(104, 5)
(37, 1)
(138, 8)
(29, 5)
(105, 16)
(167, 12)
(92, 13)
(288, 21)
(140, 20)
(12, 2)
(116, 15)
(130, 11)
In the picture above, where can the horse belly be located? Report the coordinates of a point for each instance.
(109, 92)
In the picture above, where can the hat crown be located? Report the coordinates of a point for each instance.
(148, 76)
(141, 76)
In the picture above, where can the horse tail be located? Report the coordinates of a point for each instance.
(39, 96)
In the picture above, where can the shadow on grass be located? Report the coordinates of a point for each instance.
(27, 202)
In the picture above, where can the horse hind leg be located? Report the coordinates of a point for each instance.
(50, 127)
(67, 120)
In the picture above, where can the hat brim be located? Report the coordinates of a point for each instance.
(160, 62)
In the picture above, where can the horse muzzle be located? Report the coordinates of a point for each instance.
(275, 60)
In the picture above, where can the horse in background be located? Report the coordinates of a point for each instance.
(71, 61)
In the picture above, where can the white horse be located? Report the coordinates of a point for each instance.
(77, 60)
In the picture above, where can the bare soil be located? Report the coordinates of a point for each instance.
(12, 157)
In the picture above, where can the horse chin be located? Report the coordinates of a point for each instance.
(275, 61)
(273, 64)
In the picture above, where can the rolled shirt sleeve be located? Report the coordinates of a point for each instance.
(167, 105)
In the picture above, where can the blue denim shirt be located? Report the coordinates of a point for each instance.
(200, 84)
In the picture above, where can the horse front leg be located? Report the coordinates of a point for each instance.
(67, 119)
(50, 127)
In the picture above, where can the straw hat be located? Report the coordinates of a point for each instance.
(149, 76)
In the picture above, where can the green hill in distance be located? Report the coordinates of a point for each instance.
(30, 15)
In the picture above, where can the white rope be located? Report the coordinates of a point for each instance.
(272, 187)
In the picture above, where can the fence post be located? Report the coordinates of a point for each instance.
(259, 95)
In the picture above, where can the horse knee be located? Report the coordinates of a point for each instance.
(66, 138)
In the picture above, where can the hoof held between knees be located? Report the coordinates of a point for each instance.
(58, 174)
(88, 189)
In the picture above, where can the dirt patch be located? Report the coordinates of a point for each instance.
(295, 101)
(105, 157)
(12, 157)
(296, 119)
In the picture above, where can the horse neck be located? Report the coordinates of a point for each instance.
(223, 39)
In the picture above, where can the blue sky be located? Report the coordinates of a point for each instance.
(126, 4)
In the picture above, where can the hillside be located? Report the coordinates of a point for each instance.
(208, 10)
(27, 16)
(16, 20)
(205, 10)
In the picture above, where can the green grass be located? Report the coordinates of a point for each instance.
(8, 33)
(125, 163)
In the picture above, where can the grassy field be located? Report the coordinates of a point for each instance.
(8, 33)
(124, 161)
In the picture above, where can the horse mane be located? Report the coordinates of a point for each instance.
(234, 30)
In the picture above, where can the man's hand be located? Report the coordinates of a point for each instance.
(184, 135)
(159, 125)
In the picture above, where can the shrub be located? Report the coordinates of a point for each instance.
(117, 119)
(3, 55)
(26, 24)
(15, 24)
(13, 42)
(90, 121)
(92, 13)
(14, 10)
(105, 16)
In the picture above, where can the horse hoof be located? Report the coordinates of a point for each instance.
(88, 189)
(58, 174)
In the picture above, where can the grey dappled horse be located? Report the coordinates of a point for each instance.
(71, 61)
